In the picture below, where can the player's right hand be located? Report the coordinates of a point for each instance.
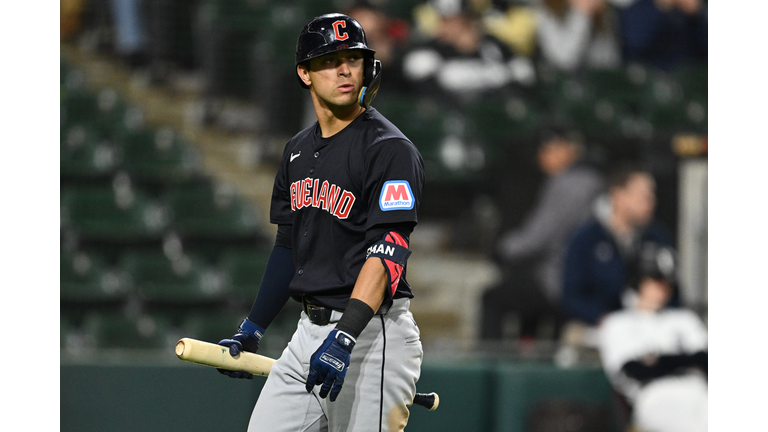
(246, 339)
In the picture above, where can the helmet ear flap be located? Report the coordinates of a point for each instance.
(371, 82)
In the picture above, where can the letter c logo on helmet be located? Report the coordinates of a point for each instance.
(337, 32)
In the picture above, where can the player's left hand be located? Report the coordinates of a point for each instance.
(328, 365)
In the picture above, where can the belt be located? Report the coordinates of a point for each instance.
(321, 315)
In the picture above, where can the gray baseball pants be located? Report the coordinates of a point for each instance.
(378, 389)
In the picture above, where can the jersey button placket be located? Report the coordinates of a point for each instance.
(317, 154)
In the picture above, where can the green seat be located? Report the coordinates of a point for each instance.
(64, 69)
(420, 118)
(504, 120)
(673, 106)
(230, 27)
(440, 134)
(400, 9)
(183, 280)
(84, 156)
(210, 211)
(243, 270)
(106, 330)
(686, 116)
(600, 103)
(86, 278)
(624, 86)
(78, 106)
(594, 116)
(159, 155)
(694, 81)
(211, 326)
(66, 330)
(104, 111)
(102, 213)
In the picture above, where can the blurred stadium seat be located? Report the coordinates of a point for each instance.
(106, 329)
(102, 111)
(159, 155)
(676, 103)
(243, 269)
(84, 156)
(211, 326)
(102, 212)
(205, 210)
(86, 277)
(183, 279)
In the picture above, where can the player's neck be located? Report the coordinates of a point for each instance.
(333, 120)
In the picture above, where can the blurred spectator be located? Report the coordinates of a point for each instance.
(532, 254)
(461, 59)
(663, 33)
(130, 41)
(71, 18)
(574, 34)
(656, 357)
(601, 257)
(514, 23)
(388, 36)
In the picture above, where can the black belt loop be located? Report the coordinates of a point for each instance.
(317, 314)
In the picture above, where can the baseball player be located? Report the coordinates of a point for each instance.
(345, 201)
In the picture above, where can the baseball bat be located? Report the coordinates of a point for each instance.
(209, 354)
(205, 353)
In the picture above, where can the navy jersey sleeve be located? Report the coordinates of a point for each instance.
(280, 209)
(394, 179)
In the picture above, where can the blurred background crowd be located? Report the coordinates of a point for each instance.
(565, 144)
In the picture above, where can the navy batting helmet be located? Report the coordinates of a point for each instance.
(334, 32)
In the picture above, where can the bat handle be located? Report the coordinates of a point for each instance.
(429, 401)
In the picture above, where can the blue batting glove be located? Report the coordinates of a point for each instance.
(328, 365)
(246, 339)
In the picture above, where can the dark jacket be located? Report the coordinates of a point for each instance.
(596, 271)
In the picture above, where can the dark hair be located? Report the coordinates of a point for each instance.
(558, 128)
(620, 175)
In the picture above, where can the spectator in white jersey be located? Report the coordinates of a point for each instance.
(462, 60)
(656, 357)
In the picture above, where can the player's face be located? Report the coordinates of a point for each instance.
(337, 78)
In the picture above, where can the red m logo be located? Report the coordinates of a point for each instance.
(337, 26)
(397, 192)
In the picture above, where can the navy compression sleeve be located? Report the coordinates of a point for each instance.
(273, 292)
